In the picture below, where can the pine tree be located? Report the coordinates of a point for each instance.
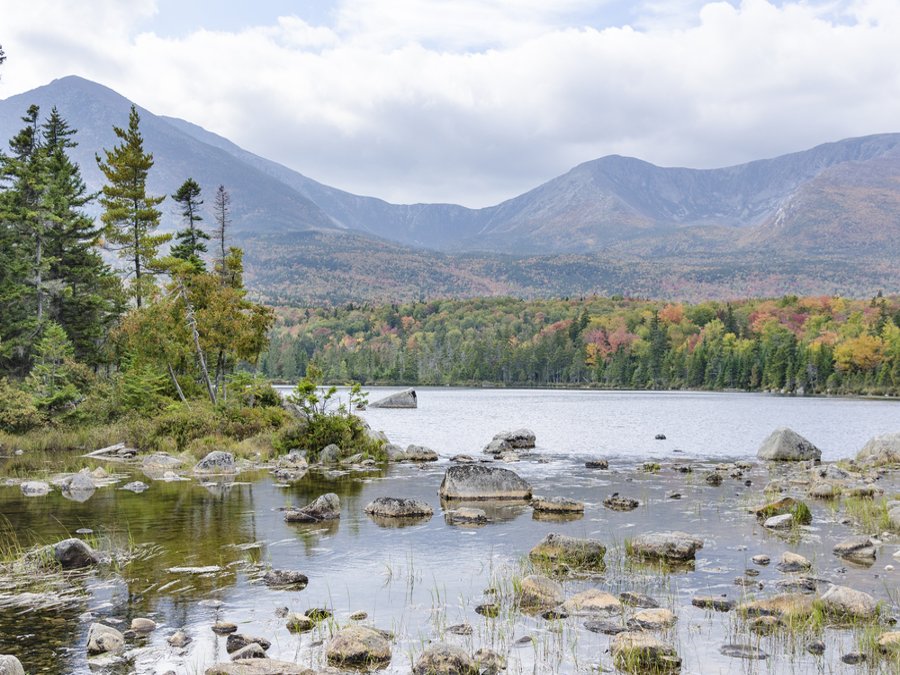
(190, 244)
(130, 214)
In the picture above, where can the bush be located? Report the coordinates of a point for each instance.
(18, 412)
(183, 424)
(243, 422)
(322, 429)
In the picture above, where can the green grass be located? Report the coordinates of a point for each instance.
(870, 514)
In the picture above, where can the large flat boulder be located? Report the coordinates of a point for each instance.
(441, 658)
(786, 445)
(217, 462)
(677, 547)
(402, 399)
(881, 450)
(519, 438)
(563, 550)
(848, 603)
(358, 647)
(476, 482)
(398, 507)
(73, 554)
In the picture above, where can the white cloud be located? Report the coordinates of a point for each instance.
(476, 100)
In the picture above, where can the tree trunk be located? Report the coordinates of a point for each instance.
(38, 280)
(192, 322)
(175, 382)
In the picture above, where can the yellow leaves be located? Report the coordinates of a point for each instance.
(859, 353)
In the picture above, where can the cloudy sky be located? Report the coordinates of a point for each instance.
(474, 101)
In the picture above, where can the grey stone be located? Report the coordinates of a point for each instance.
(34, 488)
(330, 454)
(136, 486)
(73, 554)
(440, 658)
(251, 651)
(358, 646)
(143, 625)
(786, 445)
(856, 548)
(497, 447)
(237, 641)
(783, 522)
(10, 665)
(738, 651)
(518, 439)
(557, 505)
(536, 591)
(633, 599)
(465, 516)
(881, 450)
(793, 562)
(844, 601)
(397, 507)
(215, 463)
(104, 640)
(259, 667)
(716, 602)
(403, 399)
(286, 578)
(326, 507)
(656, 618)
(672, 546)
(419, 453)
(476, 482)
(574, 552)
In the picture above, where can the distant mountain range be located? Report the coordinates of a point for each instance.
(825, 220)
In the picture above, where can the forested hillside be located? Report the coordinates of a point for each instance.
(793, 344)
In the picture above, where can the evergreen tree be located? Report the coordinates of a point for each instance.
(50, 380)
(190, 244)
(222, 212)
(130, 214)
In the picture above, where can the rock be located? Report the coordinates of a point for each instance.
(465, 516)
(359, 616)
(716, 602)
(518, 439)
(592, 601)
(640, 652)
(299, 623)
(785, 445)
(237, 641)
(419, 453)
(73, 554)
(497, 447)
(657, 618)
(667, 546)
(597, 464)
(737, 651)
(440, 658)
(461, 629)
(104, 640)
(633, 599)
(856, 548)
(489, 609)
(782, 522)
(853, 658)
(557, 505)
(823, 490)
(326, 507)
(291, 578)
(816, 647)
(402, 399)
(143, 625)
(561, 549)
(888, 643)
(842, 601)
(617, 503)
(216, 463)
(793, 562)
(488, 662)
(394, 452)
(761, 560)
(157, 464)
(881, 450)
(786, 505)
(136, 486)
(10, 665)
(330, 454)
(178, 639)
(396, 507)
(606, 627)
(34, 488)
(537, 592)
(358, 646)
(250, 651)
(765, 625)
(224, 627)
(659, 437)
(463, 459)
(713, 478)
(476, 482)
(787, 606)
(259, 667)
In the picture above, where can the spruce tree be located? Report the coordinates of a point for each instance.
(130, 214)
(191, 239)
(222, 213)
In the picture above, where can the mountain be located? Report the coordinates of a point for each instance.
(825, 220)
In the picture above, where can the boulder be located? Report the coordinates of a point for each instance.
(358, 646)
(259, 667)
(845, 602)
(396, 507)
(786, 445)
(656, 618)
(557, 505)
(563, 550)
(286, 578)
(641, 652)
(143, 625)
(476, 482)
(497, 447)
(793, 562)
(330, 454)
(215, 463)
(592, 601)
(519, 439)
(856, 548)
(158, 463)
(10, 665)
(402, 399)
(783, 522)
(536, 592)
(34, 488)
(787, 606)
(393, 452)
(104, 640)
(633, 599)
(667, 546)
(823, 489)
(238, 641)
(299, 623)
(615, 502)
(881, 450)
(419, 453)
(251, 651)
(440, 658)
(73, 554)
(326, 507)
(717, 602)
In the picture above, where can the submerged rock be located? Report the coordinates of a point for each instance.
(476, 482)
(561, 549)
(465, 516)
(597, 464)
(889, 643)
(881, 450)
(104, 639)
(787, 606)
(640, 652)
(667, 546)
(738, 651)
(633, 599)
(860, 548)
(398, 507)
(716, 602)
(440, 658)
(786, 445)
(291, 578)
(136, 486)
(402, 399)
(326, 507)
(358, 646)
(518, 439)
(488, 662)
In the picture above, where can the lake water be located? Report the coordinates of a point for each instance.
(418, 579)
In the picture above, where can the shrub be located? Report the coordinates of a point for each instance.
(348, 432)
(18, 412)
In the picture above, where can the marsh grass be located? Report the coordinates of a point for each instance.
(870, 514)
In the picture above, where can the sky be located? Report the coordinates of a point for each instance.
(476, 101)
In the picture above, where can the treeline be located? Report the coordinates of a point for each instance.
(162, 333)
(791, 344)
